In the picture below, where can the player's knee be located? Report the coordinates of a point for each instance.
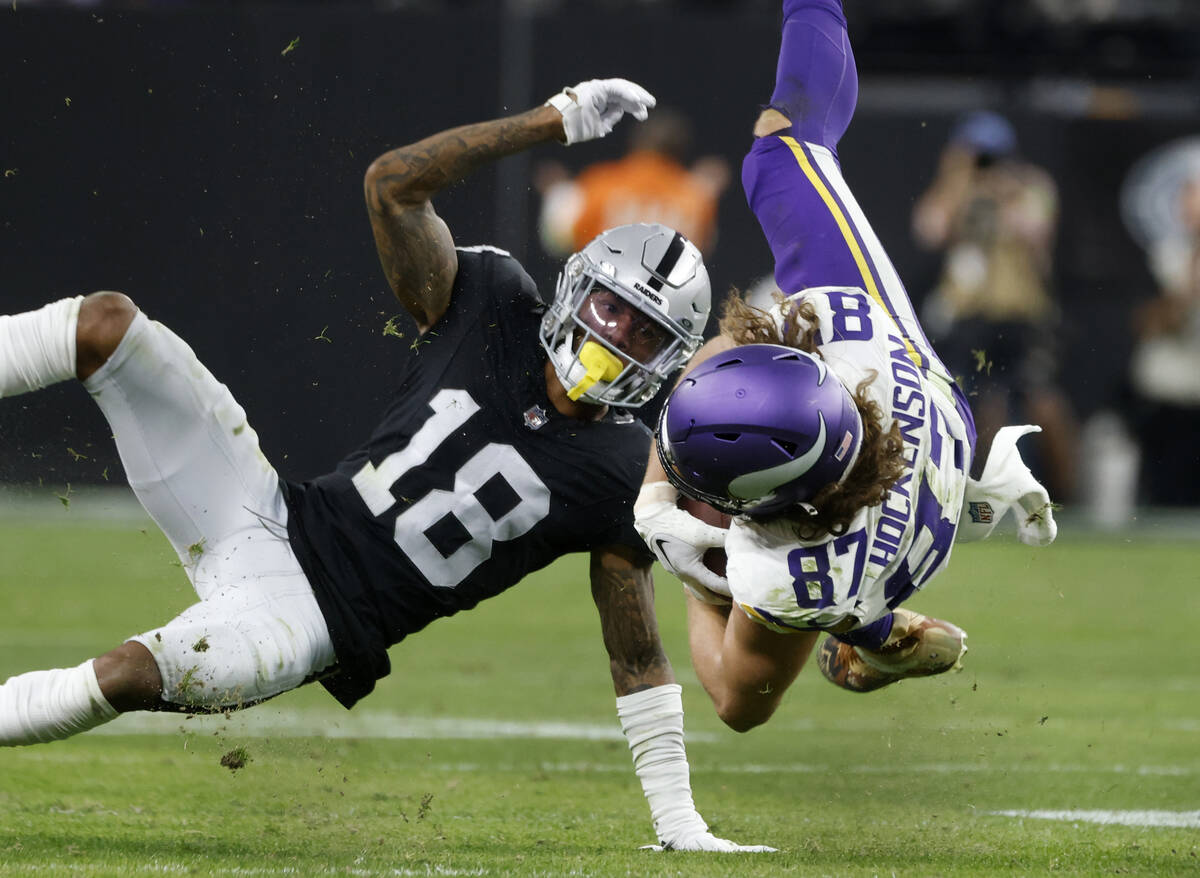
(129, 678)
(104, 318)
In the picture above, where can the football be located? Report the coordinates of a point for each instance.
(714, 559)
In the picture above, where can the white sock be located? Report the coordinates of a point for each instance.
(37, 348)
(43, 706)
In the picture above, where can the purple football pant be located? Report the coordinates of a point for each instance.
(793, 181)
(816, 81)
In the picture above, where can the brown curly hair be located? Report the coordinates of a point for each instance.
(881, 458)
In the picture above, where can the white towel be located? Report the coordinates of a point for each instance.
(1006, 484)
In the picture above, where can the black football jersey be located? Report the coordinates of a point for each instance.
(471, 481)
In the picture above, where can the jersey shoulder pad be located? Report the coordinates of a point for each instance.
(500, 272)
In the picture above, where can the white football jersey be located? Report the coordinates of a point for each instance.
(889, 550)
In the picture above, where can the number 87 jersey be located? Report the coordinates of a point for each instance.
(891, 549)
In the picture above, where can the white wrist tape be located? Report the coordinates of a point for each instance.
(560, 101)
(655, 492)
(652, 721)
(37, 348)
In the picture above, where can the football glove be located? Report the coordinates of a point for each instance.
(1006, 483)
(591, 109)
(706, 841)
(679, 541)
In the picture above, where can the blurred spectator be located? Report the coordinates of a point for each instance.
(992, 314)
(651, 183)
(1165, 369)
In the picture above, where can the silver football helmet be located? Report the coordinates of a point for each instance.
(629, 309)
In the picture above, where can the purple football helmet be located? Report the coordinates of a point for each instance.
(757, 429)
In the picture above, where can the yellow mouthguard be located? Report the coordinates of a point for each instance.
(600, 364)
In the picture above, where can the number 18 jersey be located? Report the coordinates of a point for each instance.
(471, 481)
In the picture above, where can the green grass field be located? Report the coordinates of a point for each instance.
(493, 749)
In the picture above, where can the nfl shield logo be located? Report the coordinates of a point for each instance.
(981, 512)
(535, 417)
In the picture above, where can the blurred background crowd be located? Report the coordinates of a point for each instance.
(1033, 167)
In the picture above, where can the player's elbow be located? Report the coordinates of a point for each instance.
(104, 317)
(386, 184)
(742, 716)
(374, 188)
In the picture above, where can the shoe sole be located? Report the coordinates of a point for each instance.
(846, 667)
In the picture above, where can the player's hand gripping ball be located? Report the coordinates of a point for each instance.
(681, 541)
(714, 558)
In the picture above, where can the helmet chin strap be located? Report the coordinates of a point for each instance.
(600, 365)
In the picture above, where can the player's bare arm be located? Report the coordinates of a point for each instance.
(414, 244)
(623, 590)
(648, 700)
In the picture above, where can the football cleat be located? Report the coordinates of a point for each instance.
(917, 647)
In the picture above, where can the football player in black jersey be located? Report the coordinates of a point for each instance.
(506, 445)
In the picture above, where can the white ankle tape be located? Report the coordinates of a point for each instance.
(46, 706)
(37, 348)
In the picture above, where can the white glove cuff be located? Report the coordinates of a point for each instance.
(652, 721)
(655, 492)
(560, 101)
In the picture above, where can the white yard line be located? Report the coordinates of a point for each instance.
(699, 763)
(75, 867)
(368, 724)
(269, 721)
(1174, 819)
(418, 728)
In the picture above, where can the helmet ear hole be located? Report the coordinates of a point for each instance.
(788, 448)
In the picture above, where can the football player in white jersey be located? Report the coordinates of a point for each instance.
(827, 429)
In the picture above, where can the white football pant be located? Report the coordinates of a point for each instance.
(196, 466)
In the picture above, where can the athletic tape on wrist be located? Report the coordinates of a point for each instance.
(560, 101)
(655, 492)
(652, 721)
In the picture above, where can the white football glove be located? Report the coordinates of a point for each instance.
(1006, 483)
(591, 109)
(679, 541)
(706, 841)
